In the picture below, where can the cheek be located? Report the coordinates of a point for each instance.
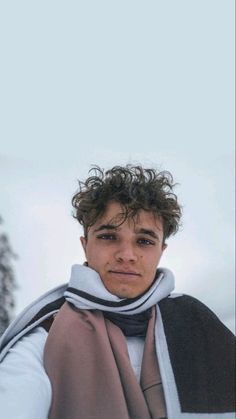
(96, 257)
(152, 261)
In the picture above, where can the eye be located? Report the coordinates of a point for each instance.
(145, 242)
(106, 236)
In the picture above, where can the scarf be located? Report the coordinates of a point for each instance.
(131, 315)
(96, 380)
(134, 325)
(86, 291)
(87, 362)
(194, 349)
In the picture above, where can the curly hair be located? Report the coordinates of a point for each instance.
(135, 188)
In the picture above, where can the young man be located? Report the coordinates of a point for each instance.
(116, 342)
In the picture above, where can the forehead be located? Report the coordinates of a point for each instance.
(115, 211)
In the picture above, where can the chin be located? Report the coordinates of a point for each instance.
(124, 293)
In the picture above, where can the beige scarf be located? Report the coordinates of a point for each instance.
(87, 361)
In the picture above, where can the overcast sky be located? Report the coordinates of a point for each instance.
(109, 83)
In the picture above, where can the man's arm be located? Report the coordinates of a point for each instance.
(25, 389)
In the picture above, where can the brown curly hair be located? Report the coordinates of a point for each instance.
(134, 188)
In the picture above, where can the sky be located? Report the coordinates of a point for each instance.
(111, 83)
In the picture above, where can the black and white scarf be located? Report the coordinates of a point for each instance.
(86, 291)
(195, 350)
(131, 315)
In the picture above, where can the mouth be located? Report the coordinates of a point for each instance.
(124, 273)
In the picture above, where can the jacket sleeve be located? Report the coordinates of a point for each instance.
(25, 389)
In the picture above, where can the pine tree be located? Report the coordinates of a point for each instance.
(7, 281)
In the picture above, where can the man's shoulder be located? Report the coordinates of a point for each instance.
(186, 313)
(184, 302)
(37, 313)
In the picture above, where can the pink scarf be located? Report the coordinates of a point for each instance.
(87, 361)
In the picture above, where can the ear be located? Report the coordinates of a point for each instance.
(164, 246)
(83, 241)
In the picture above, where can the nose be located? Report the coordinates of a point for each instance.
(126, 253)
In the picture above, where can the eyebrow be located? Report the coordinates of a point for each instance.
(145, 231)
(106, 227)
(148, 232)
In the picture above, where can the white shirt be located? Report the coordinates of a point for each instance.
(25, 389)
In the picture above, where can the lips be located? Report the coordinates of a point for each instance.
(119, 272)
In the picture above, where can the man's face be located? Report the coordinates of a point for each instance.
(125, 256)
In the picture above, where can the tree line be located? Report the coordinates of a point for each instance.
(7, 280)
